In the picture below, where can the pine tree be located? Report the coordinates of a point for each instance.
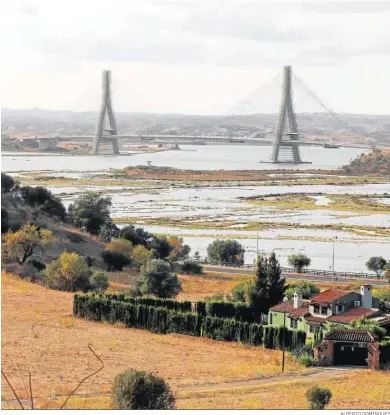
(258, 296)
(275, 284)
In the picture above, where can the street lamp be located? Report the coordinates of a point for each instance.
(334, 240)
(285, 299)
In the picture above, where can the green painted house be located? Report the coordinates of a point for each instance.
(327, 309)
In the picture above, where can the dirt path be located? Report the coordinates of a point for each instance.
(186, 392)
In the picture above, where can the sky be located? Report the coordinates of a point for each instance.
(195, 56)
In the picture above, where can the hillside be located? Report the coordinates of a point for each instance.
(377, 162)
(67, 238)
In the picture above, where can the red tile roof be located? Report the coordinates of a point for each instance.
(313, 319)
(329, 295)
(288, 307)
(350, 335)
(354, 313)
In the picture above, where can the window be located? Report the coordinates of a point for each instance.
(293, 323)
(339, 308)
(324, 311)
(270, 318)
(316, 309)
(357, 303)
(311, 328)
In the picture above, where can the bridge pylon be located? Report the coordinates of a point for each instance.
(106, 113)
(286, 150)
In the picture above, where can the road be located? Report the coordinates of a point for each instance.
(292, 275)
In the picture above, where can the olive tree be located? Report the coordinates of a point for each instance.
(225, 252)
(318, 397)
(157, 278)
(22, 244)
(377, 264)
(68, 273)
(299, 261)
(134, 389)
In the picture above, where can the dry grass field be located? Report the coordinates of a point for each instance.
(40, 336)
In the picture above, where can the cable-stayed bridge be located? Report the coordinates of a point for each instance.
(286, 135)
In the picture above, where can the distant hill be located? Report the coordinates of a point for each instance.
(377, 162)
(36, 121)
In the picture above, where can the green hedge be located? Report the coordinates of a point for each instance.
(114, 308)
(238, 311)
(183, 306)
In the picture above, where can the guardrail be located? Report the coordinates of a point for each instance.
(310, 271)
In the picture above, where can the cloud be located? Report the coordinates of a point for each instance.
(346, 6)
(28, 8)
(242, 23)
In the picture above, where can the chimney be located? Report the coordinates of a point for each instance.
(297, 300)
(366, 295)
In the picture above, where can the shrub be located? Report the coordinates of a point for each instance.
(40, 266)
(26, 270)
(305, 288)
(306, 360)
(4, 220)
(134, 389)
(121, 246)
(115, 261)
(68, 273)
(99, 281)
(7, 183)
(41, 197)
(157, 278)
(140, 256)
(317, 397)
(190, 267)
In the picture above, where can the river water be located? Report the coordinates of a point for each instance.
(208, 157)
(222, 203)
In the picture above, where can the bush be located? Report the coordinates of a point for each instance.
(68, 273)
(318, 398)
(26, 270)
(157, 278)
(306, 360)
(121, 246)
(190, 267)
(305, 288)
(140, 256)
(41, 197)
(7, 183)
(99, 281)
(115, 261)
(40, 266)
(133, 389)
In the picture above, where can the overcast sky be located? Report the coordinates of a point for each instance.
(194, 56)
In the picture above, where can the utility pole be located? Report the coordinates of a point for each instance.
(285, 299)
(335, 238)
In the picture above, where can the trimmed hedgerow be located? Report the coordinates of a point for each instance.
(140, 313)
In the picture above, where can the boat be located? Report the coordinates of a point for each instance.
(327, 145)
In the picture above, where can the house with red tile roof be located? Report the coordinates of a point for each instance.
(329, 309)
